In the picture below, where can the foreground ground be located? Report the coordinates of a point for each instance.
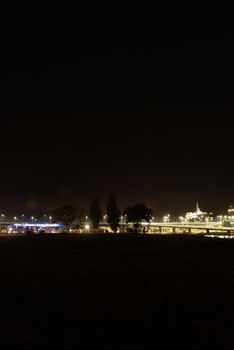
(116, 292)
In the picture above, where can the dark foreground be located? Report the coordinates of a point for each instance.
(110, 292)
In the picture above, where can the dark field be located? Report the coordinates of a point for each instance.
(116, 292)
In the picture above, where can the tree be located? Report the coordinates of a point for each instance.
(137, 213)
(80, 218)
(65, 215)
(95, 213)
(113, 213)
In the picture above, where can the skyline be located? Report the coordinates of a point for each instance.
(82, 215)
(46, 213)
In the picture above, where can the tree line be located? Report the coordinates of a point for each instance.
(70, 216)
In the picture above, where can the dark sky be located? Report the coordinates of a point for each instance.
(138, 103)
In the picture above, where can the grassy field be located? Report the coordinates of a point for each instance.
(116, 292)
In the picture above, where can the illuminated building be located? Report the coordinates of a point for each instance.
(231, 211)
(196, 214)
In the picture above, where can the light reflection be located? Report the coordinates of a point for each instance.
(220, 236)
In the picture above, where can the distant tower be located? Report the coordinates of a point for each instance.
(198, 211)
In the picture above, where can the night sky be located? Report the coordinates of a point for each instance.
(138, 103)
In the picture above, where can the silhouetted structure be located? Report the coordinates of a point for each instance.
(113, 213)
(137, 213)
(95, 213)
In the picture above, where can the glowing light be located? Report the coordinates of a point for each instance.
(26, 224)
(87, 227)
(220, 236)
(166, 218)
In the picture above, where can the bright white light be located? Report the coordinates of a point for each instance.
(26, 224)
(87, 227)
(220, 236)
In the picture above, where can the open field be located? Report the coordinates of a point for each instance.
(116, 292)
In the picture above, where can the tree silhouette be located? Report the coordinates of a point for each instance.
(113, 213)
(81, 217)
(137, 213)
(95, 213)
(65, 215)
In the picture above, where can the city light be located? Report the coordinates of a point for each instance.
(166, 218)
(197, 222)
(26, 224)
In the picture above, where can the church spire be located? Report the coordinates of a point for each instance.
(198, 210)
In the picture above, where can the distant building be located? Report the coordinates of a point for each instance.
(196, 214)
(230, 210)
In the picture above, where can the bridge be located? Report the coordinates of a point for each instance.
(190, 228)
(160, 227)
